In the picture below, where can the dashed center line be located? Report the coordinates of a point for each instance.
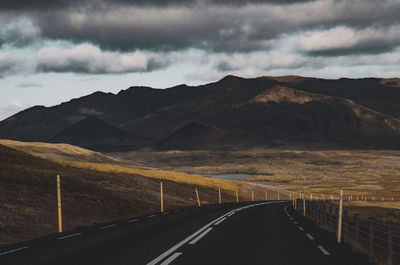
(12, 251)
(107, 226)
(295, 223)
(326, 253)
(220, 221)
(69, 236)
(194, 241)
(133, 220)
(172, 258)
(151, 216)
(310, 236)
(301, 228)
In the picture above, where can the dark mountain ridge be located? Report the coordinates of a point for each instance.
(232, 113)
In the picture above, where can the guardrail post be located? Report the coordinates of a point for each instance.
(389, 244)
(371, 239)
(345, 226)
(330, 220)
(356, 233)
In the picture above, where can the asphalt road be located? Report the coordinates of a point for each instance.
(267, 233)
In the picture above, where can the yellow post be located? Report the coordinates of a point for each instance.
(198, 198)
(266, 195)
(311, 197)
(237, 196)
(279, 197)
(382, 198)
(295, 202)
(340, 217)
(331, 198)
(161, 197)
(59, 204)
(290, 195)
(304, 206)
(219, 195)
(252, 195)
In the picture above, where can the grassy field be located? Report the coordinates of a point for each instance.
(357, 172)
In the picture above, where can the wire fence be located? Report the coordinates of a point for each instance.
(380, 241)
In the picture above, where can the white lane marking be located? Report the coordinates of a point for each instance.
(301, 228)
(133, 220)
(107, 226)
(151, 216)
(310, 236)
(326, 253)
(220, 221)
(65, 237)
(194, 241)
(172, 249)
(172, 258)
(291, 218)
(12, 251)
(295, 223)
(232, 213)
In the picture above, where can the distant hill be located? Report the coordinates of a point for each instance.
(195, 136)
(96, 134)
(233, 113)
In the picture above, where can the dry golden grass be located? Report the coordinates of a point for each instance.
(162, 174)
(58, 152)
(358, 172)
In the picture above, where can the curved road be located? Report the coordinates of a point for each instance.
(268, 233)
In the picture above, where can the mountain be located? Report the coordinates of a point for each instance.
(232, 113)
(195, 136)
(96, 134)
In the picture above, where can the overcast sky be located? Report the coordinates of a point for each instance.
(54, 50)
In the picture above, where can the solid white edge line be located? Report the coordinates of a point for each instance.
(171, 258)
(194, 241)
(65, 237)
(12, 251)
(172, 249)
(310, 236)
(326, 253)
(301, 228)
(133, 220)
(220, 221)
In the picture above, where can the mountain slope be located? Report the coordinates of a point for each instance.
(94, 133)
(197, 136)
(291, 109)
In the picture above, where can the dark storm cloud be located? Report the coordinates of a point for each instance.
(60, 4)
(121, 28)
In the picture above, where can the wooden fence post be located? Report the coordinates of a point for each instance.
(59, 204)
(371, 239)
(340, 217)
(389, 244)
(162, 197)
(356, 229)
(198, 197)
